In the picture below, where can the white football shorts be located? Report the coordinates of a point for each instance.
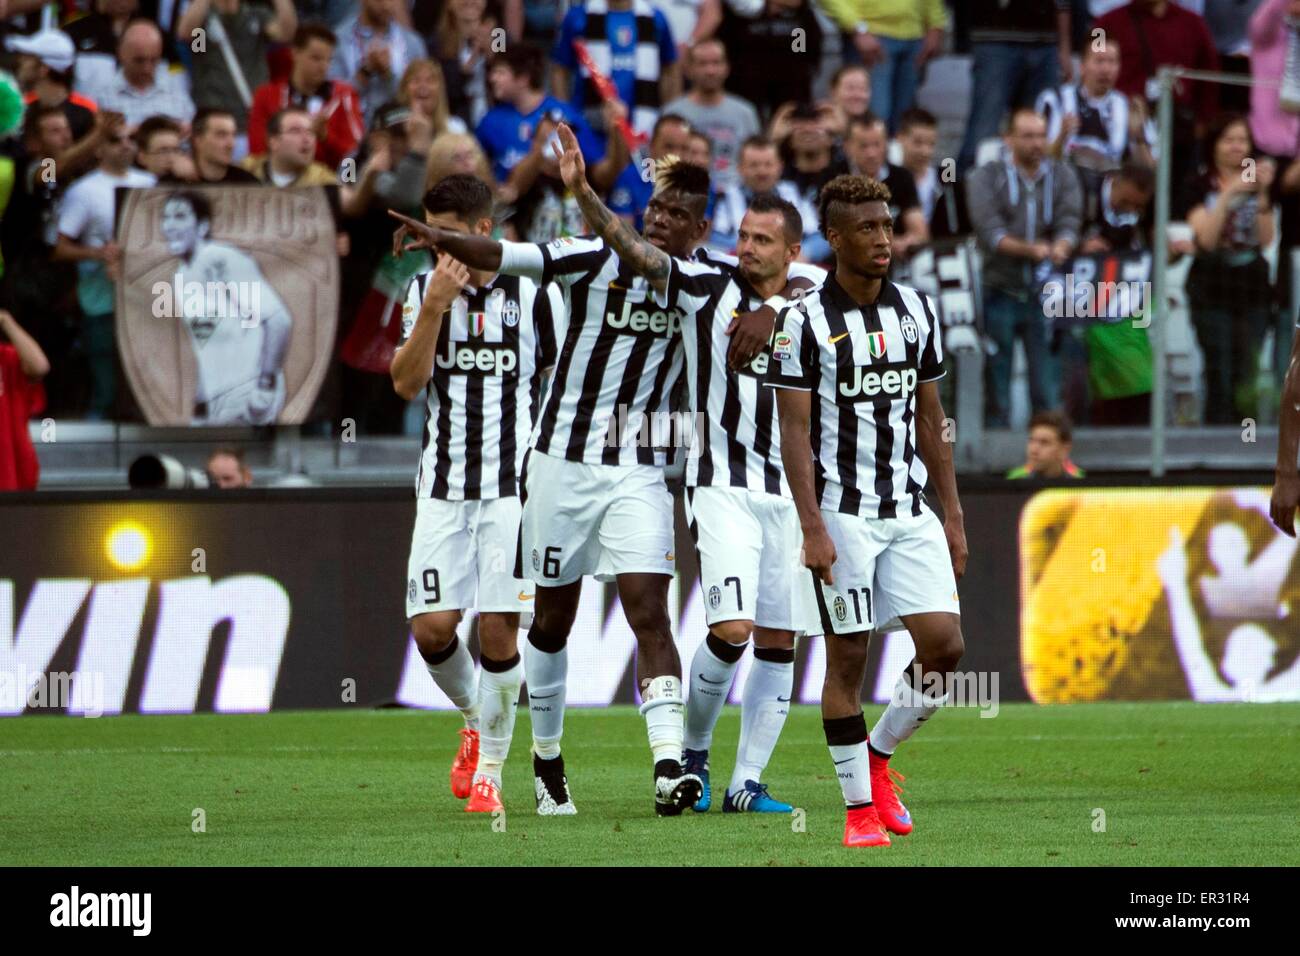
(582, 519)
(749, 544)
(463, 557)
(884, 568)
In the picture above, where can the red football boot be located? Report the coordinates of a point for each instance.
(884, 793)
(862, 828)
(462, 768)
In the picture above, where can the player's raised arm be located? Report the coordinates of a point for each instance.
(477, 252)
(413, 362)
(642, 257)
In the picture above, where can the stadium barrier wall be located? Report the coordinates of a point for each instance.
(178, 602)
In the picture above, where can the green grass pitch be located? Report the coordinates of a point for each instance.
(1179, 784)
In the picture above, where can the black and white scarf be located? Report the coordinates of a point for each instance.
(644, 109)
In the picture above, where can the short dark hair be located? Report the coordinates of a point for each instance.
(466, 197)
(313, 30)
(791, 221)
(844, 191)
(274, 124)
(228, 451)
(1214, 130)
(697, 134)
(916, 117)
(204, 116)
(522, 59)
(151, 127)
(198, 202)
(1057, 421)
(757, 141)
(37, 112)
(665, 120)
(1143, 178)
(1018, 112)
(867, 120)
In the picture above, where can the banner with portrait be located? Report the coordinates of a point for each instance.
(228, 302)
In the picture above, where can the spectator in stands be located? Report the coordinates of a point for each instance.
(37, 287)
(630, 42)
(1273, 28)
(44, 74)
(725, 119)
(544, 208)
(938, 189)
(465, 49)
(1156, 33)
(374, 50)
(393, 171)
(213, 147)
(1026, 210)
(291, 144)
(634, 186)
(1091, 125)
(768, 31)
(865, 148)
(424, 89)
(760, 171)
(86, 229)
(227, 468)
(1119, 353)
(508, 130)
(226, 80)
(1019, 49)
(1230, 211)
(458, 153)
(96, 36)
(158, 149)
(1047, 453)
(699, 152)
(894, 39)
(809, 161)
(1227, 21)
(333, 105)
(22, 366)
(139, 89)
(850, 96)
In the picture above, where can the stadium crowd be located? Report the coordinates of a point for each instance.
(382, 98)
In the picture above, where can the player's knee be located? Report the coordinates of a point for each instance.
(649, 622)
(433, 633)
(550, 629)
(946, 652)
(733, 632)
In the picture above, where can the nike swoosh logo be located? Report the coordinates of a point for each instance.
(784, 700)
(835, 338)
(543, 696)
(707, 681)
(845, 760)
(525, 597)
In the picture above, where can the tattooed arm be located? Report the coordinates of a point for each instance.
(641, 256)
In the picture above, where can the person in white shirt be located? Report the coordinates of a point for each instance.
(86, 238)
(139, 89)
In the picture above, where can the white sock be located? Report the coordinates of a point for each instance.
(854, 771)
(545, 674)
(455, 677)
(662, 707)
(908, 709)
(710, 683)
(498, 698)
(763, 710)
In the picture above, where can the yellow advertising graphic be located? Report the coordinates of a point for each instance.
(1142, 594)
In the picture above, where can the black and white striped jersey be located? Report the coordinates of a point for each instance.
(609, 401)
(738, 442)
(863, 364)
(484, 394)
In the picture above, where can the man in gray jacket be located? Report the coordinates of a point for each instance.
(1026, 209)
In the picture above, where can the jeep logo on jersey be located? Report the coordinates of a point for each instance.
(889, 381)
(908, 325)
(642, 321)
(490, 359)
(758, 367)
